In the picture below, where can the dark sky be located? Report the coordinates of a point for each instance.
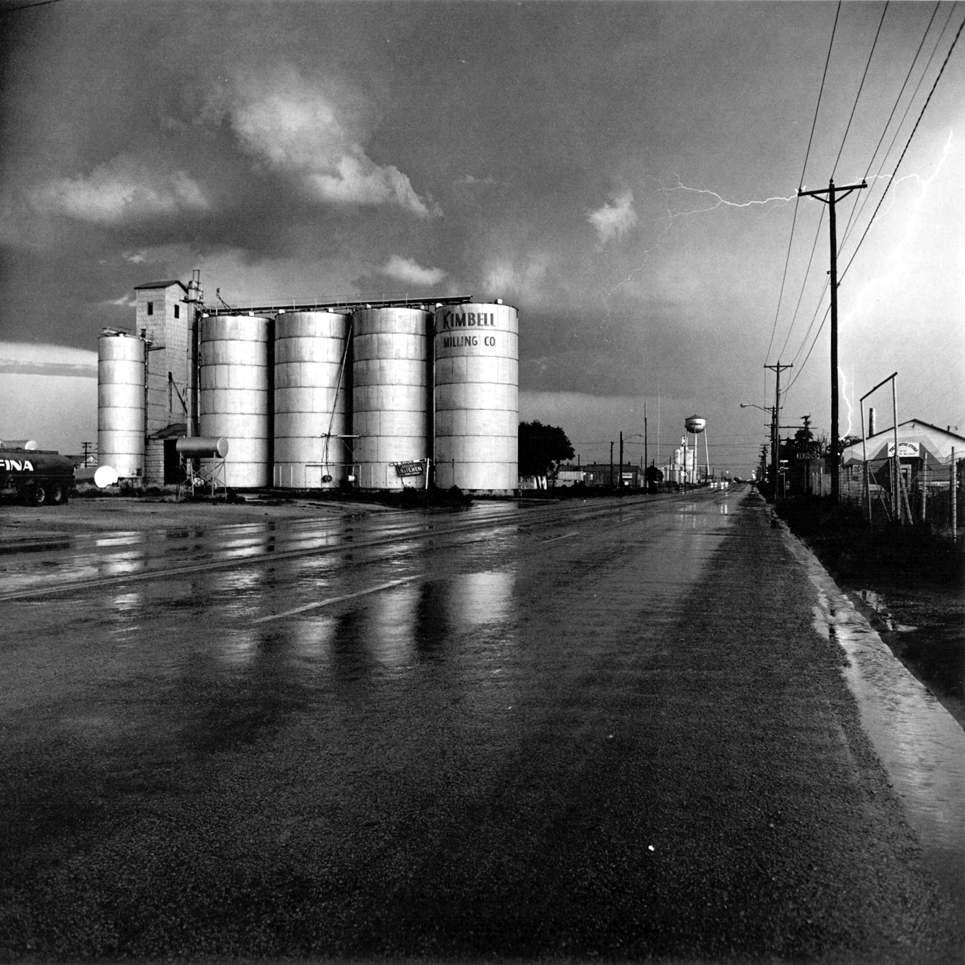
(624, 173)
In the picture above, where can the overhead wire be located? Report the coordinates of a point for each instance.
(807, 271)
(797, 200)
(800, 369)
(844, 139)
(854, 208)
(905, 150)
(857, 97)
(27, 6)
(858, 209)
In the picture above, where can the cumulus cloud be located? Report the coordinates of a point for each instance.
(123, 190)
(527, 274)
(315, 133)
(614, 219)
(404, 269)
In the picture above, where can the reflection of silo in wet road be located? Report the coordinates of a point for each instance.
(391, 392)
(310, 400)
(236, 393)
(121, 404)
(476, 397)
(475, 599)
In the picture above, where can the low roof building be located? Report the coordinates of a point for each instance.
(916, 440)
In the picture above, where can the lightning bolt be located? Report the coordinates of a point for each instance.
(716, 201)
(897, 254)
(720, 202)
(844, 393)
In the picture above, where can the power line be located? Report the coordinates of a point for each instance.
(797, 307)
(859, 208)
(891, 180)
(860, 88)
(797, 200)
(27, 6)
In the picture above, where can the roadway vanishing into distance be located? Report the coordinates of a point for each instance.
(617, 729)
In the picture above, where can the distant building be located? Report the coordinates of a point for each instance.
(610, 475)
(682, 468)
(569, 475)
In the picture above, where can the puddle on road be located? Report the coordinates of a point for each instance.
(920, 744)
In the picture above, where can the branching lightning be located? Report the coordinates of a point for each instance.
(722, 202)
(717, 202)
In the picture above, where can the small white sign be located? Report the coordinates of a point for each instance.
(906, 450)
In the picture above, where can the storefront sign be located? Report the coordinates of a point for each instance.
(906, 450)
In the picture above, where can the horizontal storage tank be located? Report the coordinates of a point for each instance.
(391, 393)
(476, 398)
(121, 404)
(311, 401)
(235, 394)
(194, 447)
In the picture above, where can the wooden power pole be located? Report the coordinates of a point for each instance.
(776, 425)
(833, 196)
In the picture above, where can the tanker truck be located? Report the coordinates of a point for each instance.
(37, 477)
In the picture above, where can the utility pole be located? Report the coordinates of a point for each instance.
(775, 424)
(833, 196)
(620, 485)
(611, 465)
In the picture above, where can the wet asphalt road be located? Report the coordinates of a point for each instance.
(604, 731)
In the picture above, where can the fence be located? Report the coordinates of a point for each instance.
(926, 496)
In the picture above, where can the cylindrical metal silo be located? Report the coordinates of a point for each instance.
(476, 397)
(391, 393)
(121, 404)
(235, 377)
(311, 411)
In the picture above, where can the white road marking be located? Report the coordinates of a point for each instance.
(330, 601)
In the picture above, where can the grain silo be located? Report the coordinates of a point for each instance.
(235, 397)
(391, 394)
(121, 404)
(311, 393)
(476, 397)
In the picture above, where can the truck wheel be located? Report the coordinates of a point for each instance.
(57, 494)
(37, 496)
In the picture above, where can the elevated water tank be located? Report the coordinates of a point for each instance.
(695, 424)
(391, 392)
(121, 404)
(235, 397)
(476, 397)
(311, 401)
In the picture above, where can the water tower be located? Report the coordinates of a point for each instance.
(697, 424)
